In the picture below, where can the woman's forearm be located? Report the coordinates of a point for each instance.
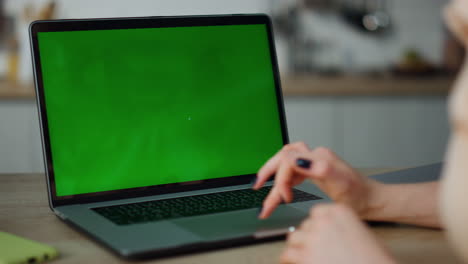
(415, 204)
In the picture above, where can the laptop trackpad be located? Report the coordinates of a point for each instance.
(240, 223)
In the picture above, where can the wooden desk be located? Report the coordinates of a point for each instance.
(24, 211)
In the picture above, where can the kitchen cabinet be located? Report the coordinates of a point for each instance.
(372, 131)
(394, 132)
(312, 120)
(20, 149)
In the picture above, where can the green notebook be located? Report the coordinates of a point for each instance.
(16, 250)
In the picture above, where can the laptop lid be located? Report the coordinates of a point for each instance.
(142, 106)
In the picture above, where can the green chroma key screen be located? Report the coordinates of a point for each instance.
(139, 107)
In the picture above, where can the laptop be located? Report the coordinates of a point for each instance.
(153, 129)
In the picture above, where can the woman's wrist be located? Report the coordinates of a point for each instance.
(377, 201)
(404, 203)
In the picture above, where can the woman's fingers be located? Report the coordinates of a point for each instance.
(283, 180)
(318, 163)
(292, 165)
(272, 165)
(333, 234)
(271, 202)
(270, 168)
(282, 189)
(296, 239)
(290, 256)
(287, 175)
(306, 225)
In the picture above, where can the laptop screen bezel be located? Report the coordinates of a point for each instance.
(133, 23)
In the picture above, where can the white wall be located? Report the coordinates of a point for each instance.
(416, 24)
(116, 8)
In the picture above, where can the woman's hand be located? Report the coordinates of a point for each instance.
(296, 162)
(333, 234)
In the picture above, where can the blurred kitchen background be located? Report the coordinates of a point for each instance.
(367, 78)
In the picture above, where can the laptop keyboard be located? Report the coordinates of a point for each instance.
(149, 211)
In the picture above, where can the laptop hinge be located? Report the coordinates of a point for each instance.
(60, 214)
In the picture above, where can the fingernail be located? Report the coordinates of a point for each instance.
(303, 163)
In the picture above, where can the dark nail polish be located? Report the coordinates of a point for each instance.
(303, 163)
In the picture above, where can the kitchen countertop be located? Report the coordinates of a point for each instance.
(313, 86)
(365, 86)
(11, 90)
